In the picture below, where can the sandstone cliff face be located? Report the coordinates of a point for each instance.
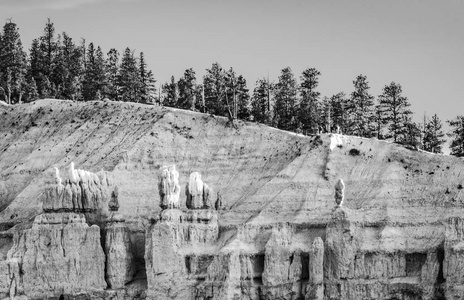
(381, 270)
(79, 191)
(60, 254)
(120, 267)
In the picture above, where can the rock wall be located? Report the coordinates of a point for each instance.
(453, 266)
(80, 191)
(397, 234)
(382, 272)
(120, 266)
(60, 254)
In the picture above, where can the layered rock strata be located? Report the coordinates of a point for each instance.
(79, 191)
(187, 258)
(119, 260)
(168, 186)
(453, 265)
(359, 268)
(62, 254)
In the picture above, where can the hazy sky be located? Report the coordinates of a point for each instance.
(418, 44)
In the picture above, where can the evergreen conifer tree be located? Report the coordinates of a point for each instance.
(433, 135)
(171, 93)
(128, 79)
(12, 64)
(112, 71)
(48, 47)
(361, 108)
(261, 107)
(243, 99)
(338, 115)
(457, 135)
(68, 68)
(394, 108)
(286, 102)
(214, 87)
(187, 90)
(308, 114)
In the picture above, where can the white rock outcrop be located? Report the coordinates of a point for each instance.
(60, 254)
(81, 191)
(168, 186)
(339, 192)
(199, 194)
(119, 260)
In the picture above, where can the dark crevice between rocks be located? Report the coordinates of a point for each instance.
(414, 263)
(137, 248)
(105, 251)
(440, 258)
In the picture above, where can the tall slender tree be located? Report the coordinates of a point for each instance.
(214, 86)
(309, 107)
(362, 108)
(242, 99)
(395, 109)
(338, 114)
(48, 46)
(433, 135)
(68, 69)
(128, 79)
(187, 90)
(171, 93)
(12, 64)
(261, 104)
(112, 72)
(286, 102)
(457, 135)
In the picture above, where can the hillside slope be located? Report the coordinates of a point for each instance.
(401, 209)
(263, 174)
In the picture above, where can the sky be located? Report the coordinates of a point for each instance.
(416, 43)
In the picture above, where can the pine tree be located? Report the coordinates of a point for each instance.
(214, 87)
(231, 94)
(362, 108)
(286, 102)
(100, 73)
(171, 93)
(95, 85)
(309, 106)
(12, 64)
(112, 70)
(145, 84)
(89, 89)
(433, 135)
(261, 107)
(187, 90)
(31, 90)
(394, 108)
(457, 135)
(411, 133)
(47, 57)
(243, 99)
(378, 121)
(338, 114)
(128, 79)
(68, 68)
(150, 88)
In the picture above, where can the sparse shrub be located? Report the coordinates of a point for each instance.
(354, 152)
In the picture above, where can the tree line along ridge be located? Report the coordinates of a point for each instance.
(57, 67)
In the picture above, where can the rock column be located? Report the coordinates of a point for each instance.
(316, 271)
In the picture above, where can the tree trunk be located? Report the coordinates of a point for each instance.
(9, 95)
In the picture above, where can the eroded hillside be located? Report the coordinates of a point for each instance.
(395, 234)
